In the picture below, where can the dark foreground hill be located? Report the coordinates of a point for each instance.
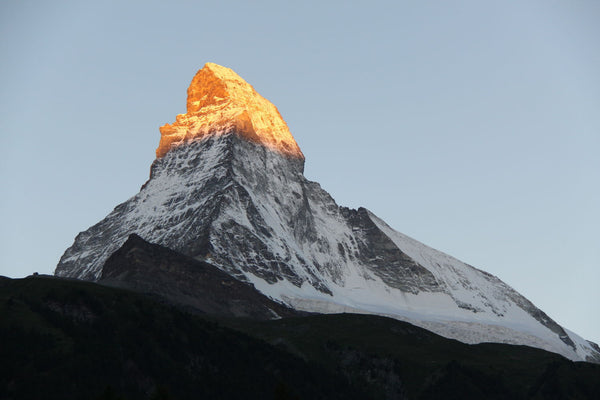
(66, 339)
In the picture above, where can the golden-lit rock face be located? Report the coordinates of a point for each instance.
(218, 102)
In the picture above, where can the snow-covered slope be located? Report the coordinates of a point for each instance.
(250, 211)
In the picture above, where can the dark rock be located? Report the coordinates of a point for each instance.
(150, 268)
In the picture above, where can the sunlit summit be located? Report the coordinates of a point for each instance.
(220, 101)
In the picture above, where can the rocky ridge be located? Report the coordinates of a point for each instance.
(184, 281)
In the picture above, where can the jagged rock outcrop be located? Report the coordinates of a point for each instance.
(195, 285)
(241, 202)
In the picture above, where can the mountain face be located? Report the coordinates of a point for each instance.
(228, 188)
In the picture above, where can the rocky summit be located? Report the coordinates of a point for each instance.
(218, 102)
(227, 188)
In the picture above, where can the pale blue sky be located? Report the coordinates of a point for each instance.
(473, 126)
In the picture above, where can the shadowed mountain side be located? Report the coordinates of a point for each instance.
(149, 268)
(67, 339)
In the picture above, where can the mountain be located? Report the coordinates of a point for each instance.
(70, 339)
(227, 188)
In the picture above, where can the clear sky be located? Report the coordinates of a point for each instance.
(472, 126)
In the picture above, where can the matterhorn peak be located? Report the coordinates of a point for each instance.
(227, 189)
(219, 101)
